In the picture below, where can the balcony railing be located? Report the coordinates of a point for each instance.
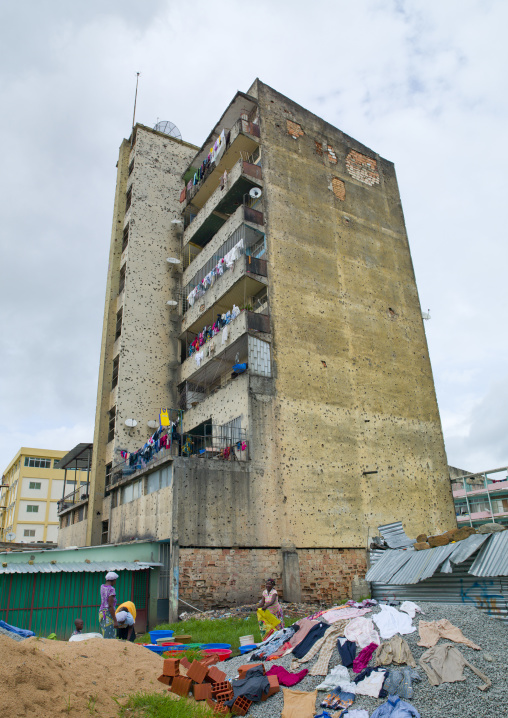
(75, 497)
(220, 443)
(240, 126)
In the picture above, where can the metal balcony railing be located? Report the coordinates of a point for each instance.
(79, 494)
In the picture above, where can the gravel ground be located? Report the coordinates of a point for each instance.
(449, 700)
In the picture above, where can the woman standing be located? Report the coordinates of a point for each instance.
(270, 602)
(107, 617)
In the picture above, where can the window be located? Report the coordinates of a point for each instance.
(31, 509)
(125, 240)
(114, 380)
(37, 463)
(118, 330)
(128, 199)
(34, 485)
(29, 532)
(55, 463)
(109, 471)
(131, 492)
(111, 424)
(121, 284)
(159, 479)
(105, 532)
(131, 167)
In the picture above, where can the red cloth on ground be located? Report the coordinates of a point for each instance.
(286, 678)
(362, 659)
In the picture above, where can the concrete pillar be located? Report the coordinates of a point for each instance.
(291, 574)
(174, 565)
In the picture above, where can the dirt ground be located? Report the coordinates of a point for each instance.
(44, 678)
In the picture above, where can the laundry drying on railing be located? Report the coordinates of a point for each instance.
(227, 262)
(216, 151)
(210, 331)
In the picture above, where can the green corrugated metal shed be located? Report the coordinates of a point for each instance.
(47, 594)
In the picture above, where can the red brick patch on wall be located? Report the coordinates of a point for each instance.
(362, 168)
(339, 188)
(220, 577)
(294, 129)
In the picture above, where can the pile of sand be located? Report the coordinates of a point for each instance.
(44, 678)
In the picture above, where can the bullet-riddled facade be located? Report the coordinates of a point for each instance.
(295, 361)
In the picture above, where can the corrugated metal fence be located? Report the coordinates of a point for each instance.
(489, 594)
(49, 602)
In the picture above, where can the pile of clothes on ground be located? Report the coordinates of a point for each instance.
(376, 660)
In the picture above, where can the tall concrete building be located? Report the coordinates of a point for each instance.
(291, 356)
(31, 488)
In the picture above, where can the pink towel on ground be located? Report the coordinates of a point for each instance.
(362, 659)
(285, 677)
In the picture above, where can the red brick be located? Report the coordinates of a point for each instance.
(181, 686)
(197, 671)
(165, 679)
(215, 675)
(220, 688)
(201, 691)
(274, 687)
(243, 669)
(241, 706)
(171, 667)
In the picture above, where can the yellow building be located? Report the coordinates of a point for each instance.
(31, 489)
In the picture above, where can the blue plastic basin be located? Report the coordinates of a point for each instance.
(154, 635)
(205, 646)
(155, 649)
(247, 649)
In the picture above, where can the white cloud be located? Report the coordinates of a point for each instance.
(421, 83)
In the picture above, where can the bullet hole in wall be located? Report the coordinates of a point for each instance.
(392, 313)
(323, 363)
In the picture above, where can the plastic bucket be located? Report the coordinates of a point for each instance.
(183, 638)
(154, 635)
(247, 649)
(206, 646)
(246, 640)
(173, 647)
(221, 652)
(155, 649)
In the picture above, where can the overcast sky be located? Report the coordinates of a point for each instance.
(422, 83)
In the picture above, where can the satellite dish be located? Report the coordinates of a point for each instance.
(131, 423)
(173, 260)
(10, 536)
(172, 303)
(255, 193)
(152, 424)
(168, 128)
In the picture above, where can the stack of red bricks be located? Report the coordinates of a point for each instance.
(208, 683)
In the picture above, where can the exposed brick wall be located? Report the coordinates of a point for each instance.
(339, 188)
(220, 577)
(294, 129)
(326, 574)
(362, 168)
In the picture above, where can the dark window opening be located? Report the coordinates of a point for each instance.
(131, 167)
(114, 380)
(111, 424)
(121, 284)
(118, 330)
(105, 532)
(125, 240)
(109, 471)
(128, 199)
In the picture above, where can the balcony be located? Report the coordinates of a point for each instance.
(197, 257)
(77, 497)
(221, 353)
(241, 141)
(245, 285)
(222, 203)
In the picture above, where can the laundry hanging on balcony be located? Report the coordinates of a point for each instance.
(227, 262)
(210, 331)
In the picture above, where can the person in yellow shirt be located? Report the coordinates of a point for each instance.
(126, 617)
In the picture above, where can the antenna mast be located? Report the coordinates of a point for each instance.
(135, 98)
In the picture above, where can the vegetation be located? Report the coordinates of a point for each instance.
(158, 705)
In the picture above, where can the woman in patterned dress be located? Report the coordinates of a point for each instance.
(107, 617)
(270, 602)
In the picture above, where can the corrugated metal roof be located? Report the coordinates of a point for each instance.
(395, 536)
(78, 567)
(493, 557)
(421, 565)
(463, 550)
(387, 564)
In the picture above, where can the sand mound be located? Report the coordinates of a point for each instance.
(46, 678)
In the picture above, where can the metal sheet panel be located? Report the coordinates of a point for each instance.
(77, 567)
(395, 536)
(388, 564)
(463, 550)
(493, 557)
(421, 565)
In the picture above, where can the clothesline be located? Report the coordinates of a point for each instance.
(208, 332)
(226, 262)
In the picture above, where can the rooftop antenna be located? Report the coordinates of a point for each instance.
(135, 98)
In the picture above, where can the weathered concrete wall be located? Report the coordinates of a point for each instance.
(225, 405)
(148, 345)
(148, 518)
(231, 576)
(73, 535)
(354, 386)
